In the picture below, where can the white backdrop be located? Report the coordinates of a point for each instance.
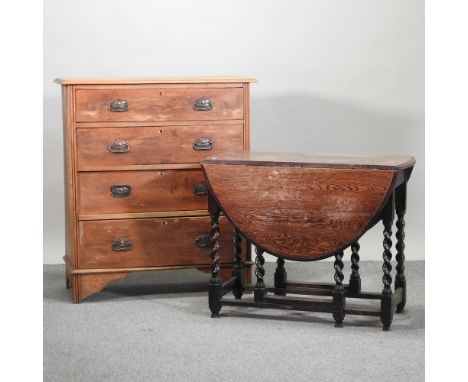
(335, 76)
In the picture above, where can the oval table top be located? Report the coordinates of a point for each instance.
(304, 206)
(255, 158)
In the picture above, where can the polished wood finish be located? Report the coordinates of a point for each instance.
(148, 145)
(159, 104)
(305, 210)
(300, 213)
(130, 193)
(165, 190)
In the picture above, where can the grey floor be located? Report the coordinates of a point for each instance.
(157, 327)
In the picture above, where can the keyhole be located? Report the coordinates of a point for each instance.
(160, 131)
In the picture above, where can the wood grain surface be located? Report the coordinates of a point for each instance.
(161, 167)
(163, 104)
(164, 190)
(253, 158)
(156, 242)
(154, 145)
(299, 213)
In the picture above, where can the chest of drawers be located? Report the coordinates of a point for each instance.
(135, 197)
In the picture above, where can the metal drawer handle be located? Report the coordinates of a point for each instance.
(200, 189)
(122, 245)
(118, 105)
(203, 241)
(121, 190)
(202, 104)
(119, 147)
(202, 144)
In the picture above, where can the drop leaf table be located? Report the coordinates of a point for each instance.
(308, 207)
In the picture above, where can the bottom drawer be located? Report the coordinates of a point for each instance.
(150, 242)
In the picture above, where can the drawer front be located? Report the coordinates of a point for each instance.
(141, 191)
(149, 242)
(159, 104)
(152, 145)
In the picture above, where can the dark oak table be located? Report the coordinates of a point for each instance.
(308, 207)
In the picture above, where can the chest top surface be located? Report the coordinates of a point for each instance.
(154, 80)
(382, 162)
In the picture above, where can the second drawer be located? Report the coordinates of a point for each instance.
(141, 191)
(149, 145)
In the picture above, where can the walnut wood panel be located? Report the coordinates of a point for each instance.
(164, 190)
(156, 242)
(299, 213)
(152, 145)
(158, 104)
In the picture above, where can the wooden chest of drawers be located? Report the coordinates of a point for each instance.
(135, 195)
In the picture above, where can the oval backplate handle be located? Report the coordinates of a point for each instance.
(122, 245)
(118, 105)
(202, 143)
(200, 189)
(119, 146)
(203, 241)
(121, 190)
(202, 104)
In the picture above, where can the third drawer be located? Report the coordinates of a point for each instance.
(108, 192)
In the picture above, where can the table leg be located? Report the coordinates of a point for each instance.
(339, 300)
(259, 290)
(237, 268)
(387, 294)
(214, 287)
(400, 279)
(280, 278)
(355, 278)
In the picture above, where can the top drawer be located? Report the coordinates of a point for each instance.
(126, 104)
